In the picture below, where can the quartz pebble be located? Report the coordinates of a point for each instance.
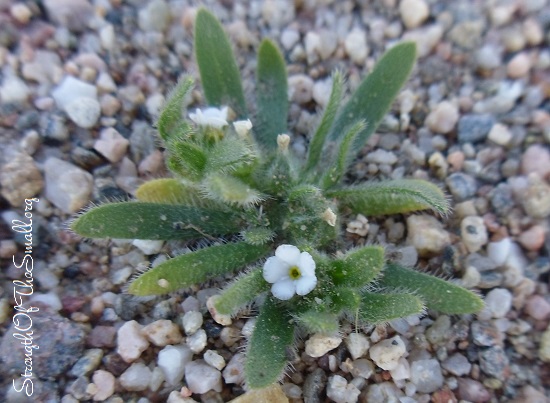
(519, 65)
(20, 179)
(14, 90)
(197, 341)
(536, 159)
(105, 384)
(472, 391)
(386, 353)
(457, 364)
(533, 238)
(500, 134)
(402, 371)
(499, 302)
(426, 375)
(130, 341)
(111, 145)
(340, 391)
(162, 332)
(172, 361)
(356, 46)
(148, 246)
(201, 377)
(300, 88)
(212, 358)
(426, 234)
(234, 370)
(538, 308)
(318, 345)
(72, 89)
(357, 345)
(474, 233)
(222, 319)
(136, 377)
(443, 118)
(192, 321)
(84, 112)
(413, 12)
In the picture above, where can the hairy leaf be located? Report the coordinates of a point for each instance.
(358, 267)
(195, 267)
(315, 321)
(167, 191)
(378, 308)
(228, 189)
(170, 121)
(241, 292)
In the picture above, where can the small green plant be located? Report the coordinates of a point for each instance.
(242, 179)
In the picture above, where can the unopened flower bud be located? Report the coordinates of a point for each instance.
(283, 140)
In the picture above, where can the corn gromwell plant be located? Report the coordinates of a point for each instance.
(235, 176)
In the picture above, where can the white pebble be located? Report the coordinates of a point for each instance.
(162, 332)
(500, 134)
(498, 251)
(340, 391)
(289, 38)
(234, 371)
(148, 246)
(130, 341)
(443, 118)
(201, 377)
(105, 383)
(300, 88)
(426, 234)
(84, 112)
(136, 377)
(402, 371)
(13, 90)
(321, 92)
(71, 89)
(172, 361)
(356, 46)
(192, 321)
(111, 145)
(413, 12)
(222, 319)
(473, 233)
(214, 359)
(519, 65)
(498, 301)
(357, 345)
(197, 341)
(387, 353)
(426, 38)
(318, 345)
(426, 375)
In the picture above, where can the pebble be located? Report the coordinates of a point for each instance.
(162, 332)
(292, 391)
(413, 12)
(472, 391)
(357, 345)
(289, 38)
(72, 89)
(538, 307)
(234, 370)
(426, 234)
(386, 353)
(362, 368)
(383, 393)
(155, 16)
(474, 128)
(493, 361)
(192, 321)
(532, 239)
(438, 333)
(356, 46)
(519, 65)
(212, 358)
(443, 118)
(300, 88)
(148, 246)
(473, 233)
(87, 363)
(136, 377)
(222, 319)
(457, 364)
(504, 100)
(499, 302)
(321, 92)
(498, 251)
(271, 394)
(426, 375)
(340, 391)
(461, 186)
(486, 334)
(318, 345)
(402, 371)
(380, 156)
(72, 14)
(20, 179)
(426, 38)
(68, 187)
(130, 341)
(536, 159)
(102, 336)
(500, 134)
(84, 112)
(488, 57)
(536, 198)
(201, 377)
(197, 341)
(14, 90)
(230, 335)
(105, 384)
(172, 361)
(21, 13)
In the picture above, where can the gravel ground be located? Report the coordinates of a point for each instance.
(82, 81)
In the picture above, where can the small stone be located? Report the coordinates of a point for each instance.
(474, 128)
(356, 46)
(72, 89)
(472, 391)
(292, 391)
(473, 233)
(413, 12)
(172, 361)
(109, 105)
(136, 377)
(84, 112)
(493, 361)
(519, 65)
(537, 307)
(224, 320)
(536, 198)
(289, 38)
(363, 368)
(457, 364)
(536, 159)
(271, 394)
(72, 14)
(130, 341)
(533, 238)
(381, 157)
(111, 145)
(500, 134)
(162, 332)
(461, 186)
(234, 370)
(197, 341)
(87, 363)
(533, 32)
(192, 321)
(105, 383)
(14, 90)
(21, 13)
(499, 302)
(67, 186)
(20, 179)
(214, 359)
(386, 353)
(485, 334)
(318, 345)
(230, 335)
(357, 345)
(201, 377)
(102, 336)
(443, 118)
(340, 391)
(488, 57)
(402, 371)
(155, 16)
(426, 375)
(438, 333)
(148, 246)
(300, 88)
(426, 234)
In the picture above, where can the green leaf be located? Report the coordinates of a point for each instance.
(318, 322)
(374, 96)
(392, 197)
(167, 191)
(358, 267)
(271, 95)
(228, 155)
(267, 349)
(220, 75)
(136, 220)
(318, 140)
(241, 292)
(170, 120)
(344, 299)
(190, 158)
(258, 235)
(438, 294)
(337, 170)
(196, 267)
(378, 308)
(228, 189)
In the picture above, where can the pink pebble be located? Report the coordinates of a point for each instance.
(537, 307)
(533, 238)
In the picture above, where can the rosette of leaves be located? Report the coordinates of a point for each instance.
(227, 183)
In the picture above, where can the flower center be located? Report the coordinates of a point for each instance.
(294, 273)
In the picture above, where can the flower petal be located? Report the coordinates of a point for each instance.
(306, 264)
(275, 269)
(284, 289)
(289, 254)
(305, 284)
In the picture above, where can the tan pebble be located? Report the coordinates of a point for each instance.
(443, 118)
(500, 134)
(519, 65)
(21, 13)
(533, 32)
(533, 238)
(456, 160)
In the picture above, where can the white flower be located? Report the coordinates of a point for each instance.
(214, 117)
(290, 272)
(242, 127)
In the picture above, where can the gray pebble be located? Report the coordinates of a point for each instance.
(426, 375)
(461, 186)
(494, 362)
(474, 128)
(457, 364)
(490, 279)
(314, 386)
(502, 199)
(87, 363)
(485, 334)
